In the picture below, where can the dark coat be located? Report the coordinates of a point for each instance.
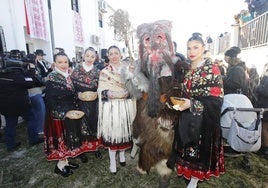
(14, 99)
(262, 95)
(42, 71)
(60, 95)
(235, 80)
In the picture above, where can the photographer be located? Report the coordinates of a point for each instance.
(36, 95)
(16, 77)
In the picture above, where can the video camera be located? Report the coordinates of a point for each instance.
(15, 60)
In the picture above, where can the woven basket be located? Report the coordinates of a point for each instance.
(88, 96)
(75, 114)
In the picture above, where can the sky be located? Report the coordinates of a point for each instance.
(209, 17)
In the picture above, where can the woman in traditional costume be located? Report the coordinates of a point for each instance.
(204, 95)
(116, 109)
(85, 78)
(63, 138)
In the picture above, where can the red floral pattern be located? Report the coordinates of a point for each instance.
(216, 70)
(204, 81)
(183, 170)
(85, 81)
(55, 146)
(215, 91)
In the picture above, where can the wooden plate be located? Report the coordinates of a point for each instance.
(177, 101)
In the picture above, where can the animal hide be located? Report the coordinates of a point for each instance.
(136, 83)
(155, 79)
(155, 56)
(155, 138)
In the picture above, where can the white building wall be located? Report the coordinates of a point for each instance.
(13, 23)
(109, 31)
(89, 13)
(91, 26)
(257, 57)
(62, 19)
(12, 20)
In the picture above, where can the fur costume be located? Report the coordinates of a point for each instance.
(152, 83)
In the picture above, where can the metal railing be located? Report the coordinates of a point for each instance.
(255, 32)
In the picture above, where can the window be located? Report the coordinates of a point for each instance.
(100, 20)
(75, 6)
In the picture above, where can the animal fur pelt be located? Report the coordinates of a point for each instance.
(155, 56)
(152, 83)
(156, 138)
(136, 82)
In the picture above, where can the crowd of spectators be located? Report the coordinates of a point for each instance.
(255, 8)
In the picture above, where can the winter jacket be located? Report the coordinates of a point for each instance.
(14, 99)
(262, 95)
(235, 80)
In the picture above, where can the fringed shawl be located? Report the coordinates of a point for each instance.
(115, 115)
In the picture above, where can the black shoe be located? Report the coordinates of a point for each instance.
(39, 141)
(263, 152)
(41, 135)
(122, 164)
(73, 165)
(1, 137)
(245, 164)
(65, 172)
(186, 181)
(14, 147)
(98, 155)
(83, 158)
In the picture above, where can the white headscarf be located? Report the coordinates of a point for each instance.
(65, 74)
(86, 67)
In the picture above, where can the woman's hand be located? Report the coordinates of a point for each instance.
(185, 105)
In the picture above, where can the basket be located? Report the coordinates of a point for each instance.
(88, 96)
(75, 114)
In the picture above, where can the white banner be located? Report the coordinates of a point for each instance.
(37, 25)
(78, 29)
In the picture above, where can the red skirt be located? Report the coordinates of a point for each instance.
(63, 139)
(117, 147)
(188, 173)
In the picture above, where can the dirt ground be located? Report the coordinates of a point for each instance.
(27, 167)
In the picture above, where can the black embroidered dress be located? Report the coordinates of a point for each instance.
(88, 81)
(63, 137)
(205, 89)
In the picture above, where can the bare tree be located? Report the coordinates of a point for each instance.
(123, 28)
